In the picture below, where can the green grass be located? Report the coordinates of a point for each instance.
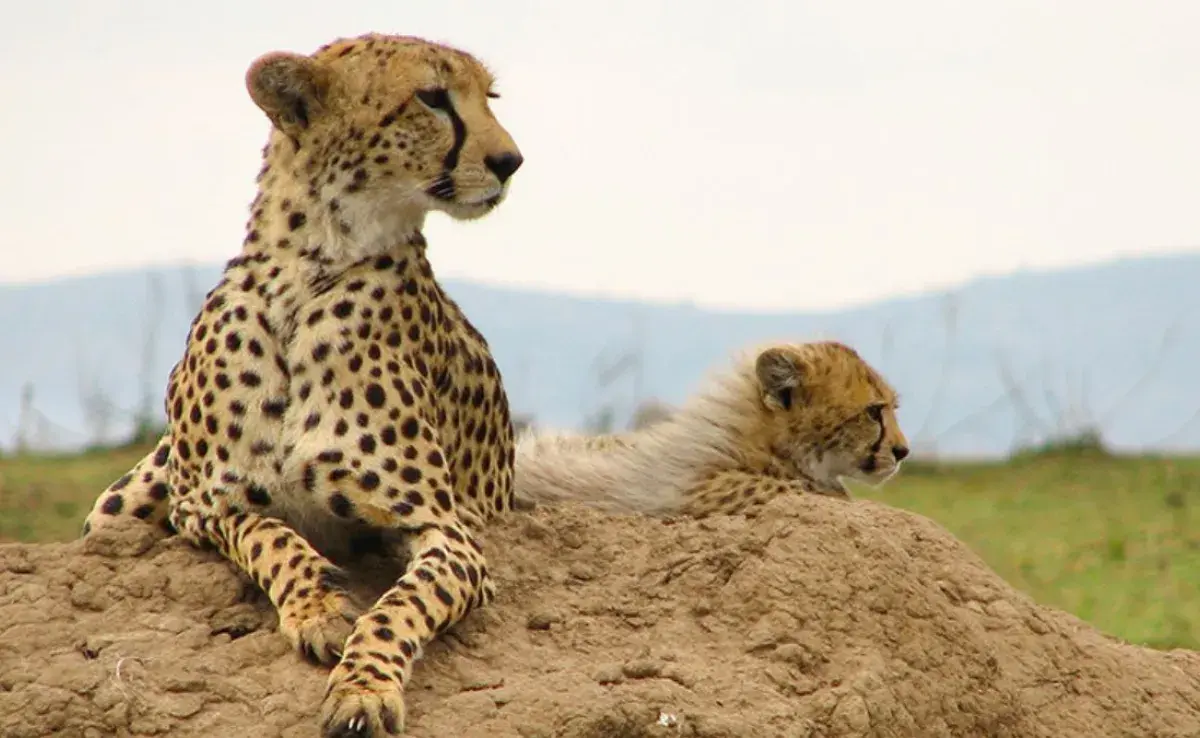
(45, 498)
(1113, 540)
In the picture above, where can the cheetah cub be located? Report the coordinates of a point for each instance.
(789, 418)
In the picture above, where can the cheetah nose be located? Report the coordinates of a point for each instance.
(504, 165)
(900, 452)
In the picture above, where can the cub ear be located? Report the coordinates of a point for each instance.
(290, 88)
(780, 375)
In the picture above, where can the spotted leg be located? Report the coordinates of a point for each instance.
(446, 576)
(139, 493)
(730, 492)
(315, 612)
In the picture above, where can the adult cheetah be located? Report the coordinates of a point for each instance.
(788, 418)
(329, 385)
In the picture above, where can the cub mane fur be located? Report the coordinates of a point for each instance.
(647, 471)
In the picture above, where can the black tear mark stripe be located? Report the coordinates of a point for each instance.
(443, 187)
(460, 137)
(879, 443)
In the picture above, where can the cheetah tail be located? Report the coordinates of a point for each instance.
(611, 473)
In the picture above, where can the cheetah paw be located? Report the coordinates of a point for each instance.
(350, 711)
(319, 632)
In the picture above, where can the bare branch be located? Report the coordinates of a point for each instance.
(1169, 338)
(950, 308)
(1016, 396)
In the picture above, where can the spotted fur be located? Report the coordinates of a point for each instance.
(787, 419)
(328, 384)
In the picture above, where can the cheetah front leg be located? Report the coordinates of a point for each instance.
(446, 579)
(404, 489)
(732, 492)
(316, 614)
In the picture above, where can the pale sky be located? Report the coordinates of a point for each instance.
(789, 154)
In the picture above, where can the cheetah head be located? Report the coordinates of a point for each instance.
(380, 130)
(829, 414)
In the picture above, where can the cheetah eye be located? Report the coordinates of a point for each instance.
(437, 98)
(875, 412)
(784, 395)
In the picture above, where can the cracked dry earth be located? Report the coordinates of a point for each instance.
(814, 618)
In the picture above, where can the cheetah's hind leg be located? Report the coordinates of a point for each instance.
(141, 492)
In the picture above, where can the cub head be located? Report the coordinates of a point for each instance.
(379, 130)
(828, 413)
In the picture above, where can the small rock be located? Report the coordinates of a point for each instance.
(478, 682)
(681, 676)
(609, 674)
(570, 539)
(19, 564)
(535, 530)
(1002, 609)
(642, 669)
(1036, 625)
(582, 572)
(502, 696)
(851, 715)
(183, 683)
(121, 540)
(276, 703)
(541, 621)
(84, 596)
(237, 621)
(180, 705)
(794, 653)
(117, 716)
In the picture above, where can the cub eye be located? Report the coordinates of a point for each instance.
(437, 98)
(493, 95)
(875, 412)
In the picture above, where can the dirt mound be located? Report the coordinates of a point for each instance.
(815, 618)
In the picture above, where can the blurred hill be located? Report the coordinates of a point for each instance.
(997, 363)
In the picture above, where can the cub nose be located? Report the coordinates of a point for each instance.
(900, 452)
(504, 165)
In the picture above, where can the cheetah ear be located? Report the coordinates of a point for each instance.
(290, 88)
(780, 374)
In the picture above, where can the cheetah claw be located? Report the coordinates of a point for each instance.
(320, 640)
(356, 712)
(326, 655)
(320, 636)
